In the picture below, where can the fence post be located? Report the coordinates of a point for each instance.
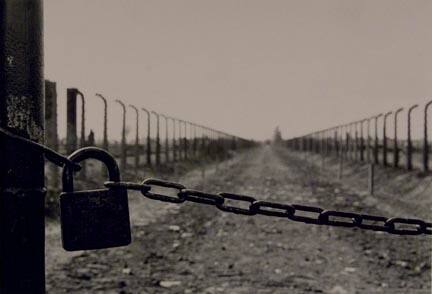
(185, 140)
(356, 142)
(137, 148)
(71, 131)
(51, 131)
(375, 151)
(180, 140)
(409, 146)
(194, 141)
(158, 146)
(123, 151)
(105, 123)
(425, 139)
(174, 147)
(396, 145)
(83, 135)
(148, 146)
(22, 193)
(385, 138)
(166, 138)
(368, 141)
(362, 147)
(83, 144)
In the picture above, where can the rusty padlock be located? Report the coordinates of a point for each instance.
(94, 219)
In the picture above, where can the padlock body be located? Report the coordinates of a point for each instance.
(95, 219)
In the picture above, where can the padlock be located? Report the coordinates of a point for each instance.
(94, 219)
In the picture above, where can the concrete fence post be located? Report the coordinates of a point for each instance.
(71, 121)
(158, 146)
(137, 147)
(385, 137)
(409, 143)
(51, 131)
(396, 144)
(148, 145)
(425, 139)
(376, 142)
(123, 151)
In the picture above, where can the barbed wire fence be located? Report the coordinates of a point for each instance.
(377, 140)
(370, 140)
(179, 141)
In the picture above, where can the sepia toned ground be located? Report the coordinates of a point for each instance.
(192, 248)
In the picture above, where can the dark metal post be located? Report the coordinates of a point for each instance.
(158, 146)
(137, 148)
(123, 151)
(22, 193)
(166, 139)
(385, 137)
(409, 146)
(376, 144)
(148, 150)
(105, 123)
(425, 139)
(396, 147)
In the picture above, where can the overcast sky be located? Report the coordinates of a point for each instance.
(242, 66)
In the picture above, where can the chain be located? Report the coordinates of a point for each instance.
(395, 225)
(50, 154)
(256, 207)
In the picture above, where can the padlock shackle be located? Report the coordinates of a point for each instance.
(90, 153)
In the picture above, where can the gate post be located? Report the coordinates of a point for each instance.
(22, 192)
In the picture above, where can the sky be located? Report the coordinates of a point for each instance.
(242, 66)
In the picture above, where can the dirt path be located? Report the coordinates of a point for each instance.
(196, 249)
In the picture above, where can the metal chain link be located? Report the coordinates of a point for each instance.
(50, 154)
(411, 226)
(352, 220)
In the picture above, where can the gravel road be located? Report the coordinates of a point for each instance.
(193, 248)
